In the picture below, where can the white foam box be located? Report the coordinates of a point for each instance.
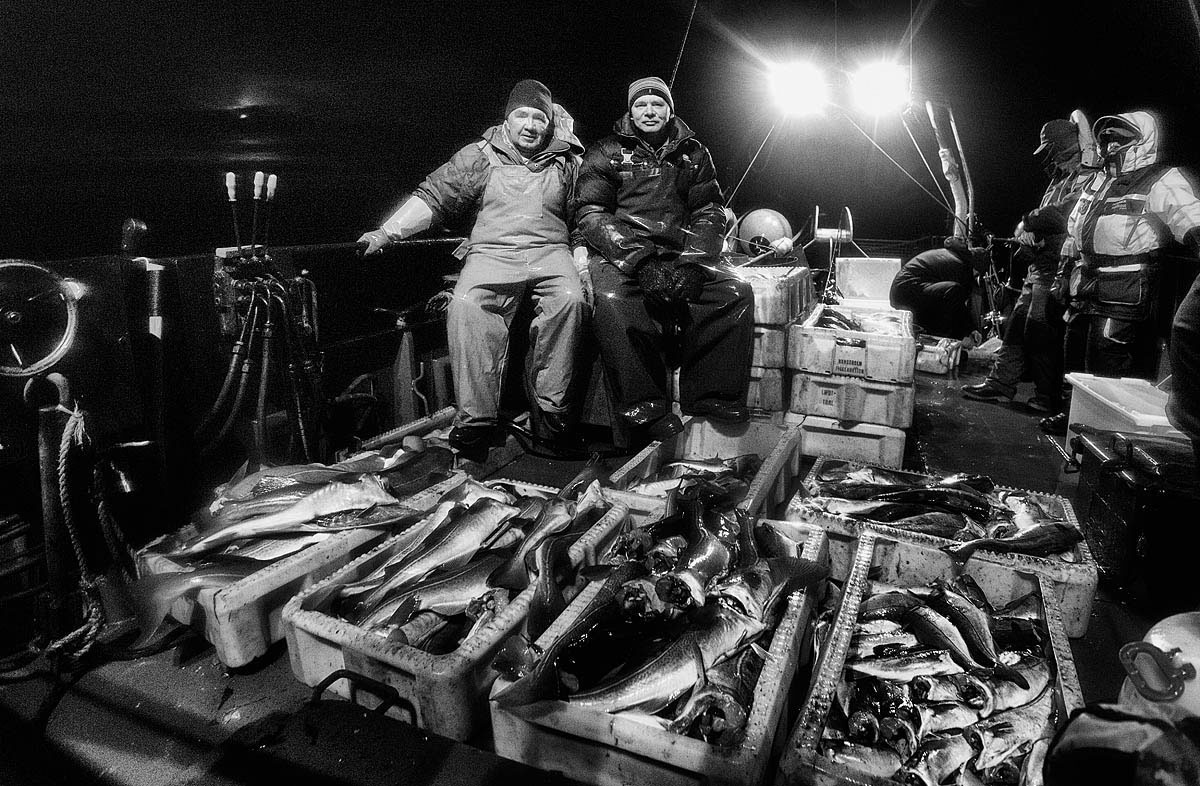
(770, 346)
(854, 353)
(242, 619)
(864, 442)
(938, 355)
(1124, 404)
(865, 278)
(768, 389)
(883, 559)
(1075, 576)
(611, 750)
(447, 692)
(703, 439)
(780, 293)
(853, 399)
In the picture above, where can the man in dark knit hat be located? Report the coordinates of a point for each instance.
(514, 184)
(651, 210)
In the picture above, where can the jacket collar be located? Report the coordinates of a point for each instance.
(677, 133)
(559, 145)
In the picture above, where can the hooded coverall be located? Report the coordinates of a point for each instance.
(519, 246)
(635, 203)
(1124, 218)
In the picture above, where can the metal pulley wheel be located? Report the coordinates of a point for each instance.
(39, 313)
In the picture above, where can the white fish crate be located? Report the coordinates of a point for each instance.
(869, 443)
(895, 561)
(612, 750)
(865, 278)
(853, 353)
(703, 439)
(853, 399)
(447, 692)
(768, 389)
(780, 293)
(241, 620)
(1074, 579)
(770, 346)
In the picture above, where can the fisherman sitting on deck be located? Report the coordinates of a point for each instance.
(652, 212)
(516, 181)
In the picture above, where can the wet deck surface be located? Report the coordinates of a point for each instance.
(161, 719)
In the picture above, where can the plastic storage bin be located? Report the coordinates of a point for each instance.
(866, 278)
(611, 750)
(863, 442)
(853, 399)
(770, 346)
(853, 353)
(780, 293)
(1119, 404)
(768, 389)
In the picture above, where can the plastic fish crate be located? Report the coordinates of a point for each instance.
(242, 619)
(770, 346)
(780, 293)
(939, 355)
(852, 353)
(447, 691)
(1075, 581)
(612, 750)
(768, 389)
(902, 562)
(865, 278)
(853, 399)
(1119, 405)
(866, 442)
(702, 439)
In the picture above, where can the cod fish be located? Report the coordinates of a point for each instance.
(1053, 537)
(953, 500)
(869, 760)
(934, 630)
(717, 711)
(956, 688)
(534, 670)
(938, 523)
(554, 517)
(935, 759)
(153, 595)
(706, 557)
(1035, 669)
(871, 644)
(446, 593)
(549, 563)
(334, 497)
(1000, 735)
(718, 633)
(971, 620)
(904, 666)
(756, 590)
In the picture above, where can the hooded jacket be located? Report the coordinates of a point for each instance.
(1126, 214)
(633, 201)
(453, 191)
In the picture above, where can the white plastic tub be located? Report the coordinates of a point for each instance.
(867, 443)
(768, 389)
(853, 353)
(865, 278)
(780, 293)
(853, 399)
(611, 750)
(1119, 405)
(770, 346)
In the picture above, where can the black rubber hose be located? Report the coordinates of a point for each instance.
(290, 344)
(236, 353)
(240, 396)
(260, 409)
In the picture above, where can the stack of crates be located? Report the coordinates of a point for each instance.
(783, 297)
(853, 391)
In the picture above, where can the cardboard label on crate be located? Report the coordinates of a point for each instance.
(848, 360)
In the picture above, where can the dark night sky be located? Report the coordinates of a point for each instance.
(117, 110)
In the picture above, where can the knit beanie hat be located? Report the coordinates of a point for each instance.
(647, 85)
(531, 93)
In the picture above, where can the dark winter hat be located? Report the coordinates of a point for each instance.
(647, 85)
(1059, 134)
(530, 93)
(1043, 221)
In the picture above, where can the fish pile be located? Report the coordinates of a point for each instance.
(940, 687)
(450, 574)
(259, 518)
(677, 631)
(887, 323)
(730, 476)
(961, 507)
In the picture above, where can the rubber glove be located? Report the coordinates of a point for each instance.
(377, 240)
(580, 256)
(657, 279)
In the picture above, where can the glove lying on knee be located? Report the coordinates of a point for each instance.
(656, 276)
(689, 282)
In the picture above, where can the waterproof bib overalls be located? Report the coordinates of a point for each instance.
(518, 246)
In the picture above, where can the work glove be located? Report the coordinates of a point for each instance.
(377, 240)
(1060, 289)
(656, 276)
(688, 283)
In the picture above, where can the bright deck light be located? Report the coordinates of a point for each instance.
(798, 88)
(881, 88)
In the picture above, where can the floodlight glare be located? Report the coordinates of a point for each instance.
(798, 88)
(881, 88)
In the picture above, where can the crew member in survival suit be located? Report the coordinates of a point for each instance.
(516, 181)
(1126, 216)
(650, 208)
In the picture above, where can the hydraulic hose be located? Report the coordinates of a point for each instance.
(260, 409)
(240, 396)
(240, 347)
(290, 344)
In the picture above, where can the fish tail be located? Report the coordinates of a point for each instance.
(405, 610)
(962, 552)
(512, 575)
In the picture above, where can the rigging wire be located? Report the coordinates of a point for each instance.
(924, 160)
(729, 199)
(683, 44)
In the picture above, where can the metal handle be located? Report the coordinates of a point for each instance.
(387, 695)
(1167, 672)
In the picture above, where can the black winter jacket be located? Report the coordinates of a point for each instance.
(633, 201)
